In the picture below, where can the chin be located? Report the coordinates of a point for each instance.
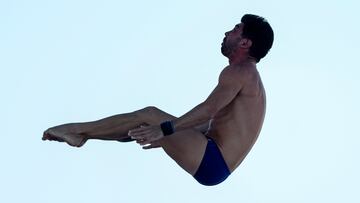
(224, 51)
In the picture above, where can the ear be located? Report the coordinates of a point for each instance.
(245, 43)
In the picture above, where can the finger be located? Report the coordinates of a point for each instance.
(146, 141)
(132, 131)
(151, 146)
(142, 141)
(139, 141)
(138, 132)
(155, 144)
(148, 147)
(140, 136)
(142, 127)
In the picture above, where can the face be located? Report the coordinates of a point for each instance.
(231, 41)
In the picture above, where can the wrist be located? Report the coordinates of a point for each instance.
(167, 128)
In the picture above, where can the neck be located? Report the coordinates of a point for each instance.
(241, 59)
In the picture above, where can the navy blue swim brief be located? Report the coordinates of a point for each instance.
(213, 169)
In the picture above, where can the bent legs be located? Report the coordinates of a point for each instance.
(186, 147)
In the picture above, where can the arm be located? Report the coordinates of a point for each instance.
(230, 84)
(204, 127)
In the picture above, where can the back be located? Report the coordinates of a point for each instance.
(237, 126)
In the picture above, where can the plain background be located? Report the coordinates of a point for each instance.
(71, 61)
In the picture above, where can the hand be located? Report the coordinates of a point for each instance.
(152, 145)
(147, 135)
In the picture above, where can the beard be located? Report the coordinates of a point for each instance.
(226, 49)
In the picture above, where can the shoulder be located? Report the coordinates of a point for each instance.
(229, 75)
(239, 73)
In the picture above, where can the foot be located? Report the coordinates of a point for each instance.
(65, 133)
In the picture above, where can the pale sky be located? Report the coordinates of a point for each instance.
(75, 61)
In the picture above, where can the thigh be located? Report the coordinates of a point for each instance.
(186, 147)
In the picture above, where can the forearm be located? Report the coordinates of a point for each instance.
(196, 117)
(204, 127)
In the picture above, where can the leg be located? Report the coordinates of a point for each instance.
(186, 147)
(111, 128)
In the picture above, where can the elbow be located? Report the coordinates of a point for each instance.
(210, 110)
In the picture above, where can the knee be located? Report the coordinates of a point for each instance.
(149, 111)
(154, 115)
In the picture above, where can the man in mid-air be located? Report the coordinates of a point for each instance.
(211, 140)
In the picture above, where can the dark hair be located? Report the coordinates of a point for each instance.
(259, 31)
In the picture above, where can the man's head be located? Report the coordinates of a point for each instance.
(253, 36)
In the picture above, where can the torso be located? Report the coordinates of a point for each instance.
(236, 127)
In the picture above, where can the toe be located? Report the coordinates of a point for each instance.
(45, 136)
